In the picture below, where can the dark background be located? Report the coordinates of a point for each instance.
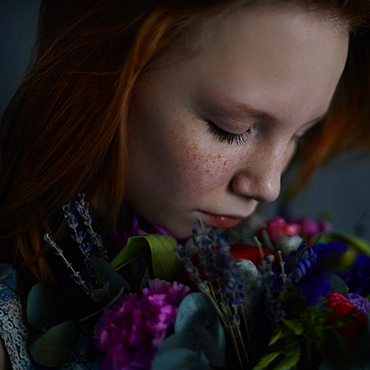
(341, 190)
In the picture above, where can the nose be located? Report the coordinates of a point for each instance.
(259, 178)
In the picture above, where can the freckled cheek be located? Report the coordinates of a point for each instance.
(204, 167)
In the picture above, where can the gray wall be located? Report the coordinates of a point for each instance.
(342, 189)
(18, 21)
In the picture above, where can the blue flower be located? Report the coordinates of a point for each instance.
(358, 277)
(312, 269)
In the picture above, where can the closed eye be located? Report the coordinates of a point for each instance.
(225, 136)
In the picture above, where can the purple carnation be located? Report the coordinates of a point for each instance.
(130, 330)
(361, 303)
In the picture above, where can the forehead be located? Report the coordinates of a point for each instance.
(275, 53)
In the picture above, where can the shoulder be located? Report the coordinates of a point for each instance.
(13, 330)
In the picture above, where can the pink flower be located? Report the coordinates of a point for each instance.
(310, 227)
(304, 226)
(277, 227)
(130, 330)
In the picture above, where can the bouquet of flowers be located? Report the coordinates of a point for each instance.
(290, 294)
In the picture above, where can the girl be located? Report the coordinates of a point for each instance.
(175, 110)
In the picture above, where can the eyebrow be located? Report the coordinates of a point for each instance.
(236, 106)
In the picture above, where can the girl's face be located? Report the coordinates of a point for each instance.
(210, 136)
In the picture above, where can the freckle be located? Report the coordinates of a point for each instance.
(225, 163)
(218, 156)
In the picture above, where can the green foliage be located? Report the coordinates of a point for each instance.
(180, 359)
(197, 313)
(297, 341)
(55, 346)
(164, 262)
(199, 340)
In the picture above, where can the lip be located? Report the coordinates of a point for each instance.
(222, 221)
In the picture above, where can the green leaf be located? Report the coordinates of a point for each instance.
(294, 325)
(42, 312)
(165, 262)
(197, 312)
(266, 360)
(289, 360)
(276, 336)
(134, 247)
(55, 347)
(105, 273)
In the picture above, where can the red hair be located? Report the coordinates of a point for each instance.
(64, 131)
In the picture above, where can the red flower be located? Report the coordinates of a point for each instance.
(248, 252)
(342, 307)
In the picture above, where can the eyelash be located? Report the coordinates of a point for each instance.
(225, 136)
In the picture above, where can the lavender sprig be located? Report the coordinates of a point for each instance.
(221, 283)
(82, 208)
(78, 236)
(76, 276)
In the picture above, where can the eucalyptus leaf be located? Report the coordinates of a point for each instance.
(55, 347)
(165, 262)
(197, 312)
(180, 359)
(98, 295)
(106, 273)
(42, 312)
(181, 339)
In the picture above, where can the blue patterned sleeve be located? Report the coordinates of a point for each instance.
(13, 330)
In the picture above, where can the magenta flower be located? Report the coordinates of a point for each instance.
(277, 227)
(310, 227)
(130, 330)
